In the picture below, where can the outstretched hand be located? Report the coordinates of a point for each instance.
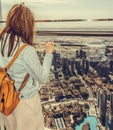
(49, 47)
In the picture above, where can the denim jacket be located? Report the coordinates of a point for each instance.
(28, 62)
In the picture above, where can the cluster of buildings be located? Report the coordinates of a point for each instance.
(63, 116)
(79, 80)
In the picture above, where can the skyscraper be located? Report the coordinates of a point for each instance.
(103, 106)
(111, 111)
(111, 103)
(109, 121)
(87, 66)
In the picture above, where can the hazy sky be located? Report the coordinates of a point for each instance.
(66, 9)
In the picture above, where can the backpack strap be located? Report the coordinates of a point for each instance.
(12, 61)
(15, 56)
(24, 82)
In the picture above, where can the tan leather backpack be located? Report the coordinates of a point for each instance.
(9, 97)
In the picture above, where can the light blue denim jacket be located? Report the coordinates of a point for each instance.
(28, 62)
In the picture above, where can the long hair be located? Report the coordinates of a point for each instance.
(19, 26)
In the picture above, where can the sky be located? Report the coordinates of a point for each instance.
(66, 9)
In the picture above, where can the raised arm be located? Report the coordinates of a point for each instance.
(32, 63)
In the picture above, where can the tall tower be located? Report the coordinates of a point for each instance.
(109, 116)
(111, 103)
(111, 110)
(102, 106)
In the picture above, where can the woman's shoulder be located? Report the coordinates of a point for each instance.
(28, 50)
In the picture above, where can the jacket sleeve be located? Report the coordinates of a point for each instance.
(33, 66)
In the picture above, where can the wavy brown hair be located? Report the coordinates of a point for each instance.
(19, 26)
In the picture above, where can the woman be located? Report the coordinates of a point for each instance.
(19, 30)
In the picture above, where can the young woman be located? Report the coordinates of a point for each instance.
(19, 30)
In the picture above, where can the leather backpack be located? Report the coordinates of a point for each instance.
(9, 97)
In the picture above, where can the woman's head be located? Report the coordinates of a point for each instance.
(20, 21)
(20, 24)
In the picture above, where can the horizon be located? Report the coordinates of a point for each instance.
(66, 9)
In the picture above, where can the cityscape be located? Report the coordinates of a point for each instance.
(80, 87)
(79, 92)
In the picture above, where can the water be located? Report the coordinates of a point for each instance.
(93, 123)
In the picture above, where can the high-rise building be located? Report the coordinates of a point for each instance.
(72, 62)
(64, 65)
(110, 114)
(109, 121)
(102, 106)
(111, 103)
(87, 66)
(77, 65)
(111, 66)
(65, 68)
(56, 63)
